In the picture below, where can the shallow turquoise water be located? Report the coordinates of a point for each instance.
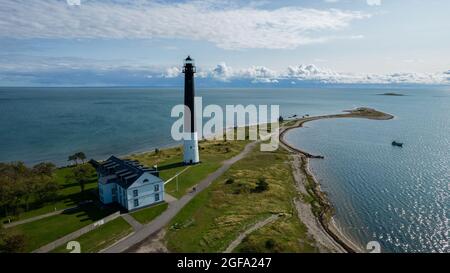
(397, 196)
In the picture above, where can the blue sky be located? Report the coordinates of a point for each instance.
(143, 42)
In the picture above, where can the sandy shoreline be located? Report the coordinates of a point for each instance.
(322, 226)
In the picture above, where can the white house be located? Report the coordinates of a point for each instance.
(128, 183)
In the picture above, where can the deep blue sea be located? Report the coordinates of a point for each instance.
(397, 196)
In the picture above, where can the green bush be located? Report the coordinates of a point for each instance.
(261, 186)
(229, 181)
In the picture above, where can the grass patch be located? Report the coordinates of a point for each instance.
(44, 231)
(100, 238)
(278, 237)
(215, 217)
(169, 162)
(146, 215)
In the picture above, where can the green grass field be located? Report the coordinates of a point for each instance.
(214, 218)
(44, 231)
(146, 215)
(100, 238)
(169, 162)
(69, 195)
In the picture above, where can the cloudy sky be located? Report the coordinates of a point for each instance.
(290, 42)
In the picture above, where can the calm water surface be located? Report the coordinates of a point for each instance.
(399, 197)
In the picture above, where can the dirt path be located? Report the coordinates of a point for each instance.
(244, 234)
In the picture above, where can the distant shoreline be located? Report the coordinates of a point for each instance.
(392, 94)
(325, 216)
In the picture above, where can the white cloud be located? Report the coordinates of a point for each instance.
(226, 25)
(172, 72)
(257, 72)
(222, 72)
(50, 67)
(374, 2)
(313, 73)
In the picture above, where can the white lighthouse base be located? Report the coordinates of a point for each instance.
(190, 149)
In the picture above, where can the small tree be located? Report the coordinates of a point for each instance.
(44, 169)
(280, 119)
(81, 156)
(82, 175)
(229, 181)
(11, 242)
(73, 158)
(46, 189)
(270, 244)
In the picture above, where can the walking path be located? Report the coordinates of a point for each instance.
(175, 176)
(39, 217)
(169, 198)
(174, 207)
(130, 219)
(244, 234)
(72, 236)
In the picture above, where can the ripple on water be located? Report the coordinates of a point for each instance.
(399, 197)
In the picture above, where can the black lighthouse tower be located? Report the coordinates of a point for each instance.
(191, 155)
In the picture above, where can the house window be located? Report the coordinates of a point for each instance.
(145, 181)
(136, 202)
(156, 188)
(157, 197)
(135, 193)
